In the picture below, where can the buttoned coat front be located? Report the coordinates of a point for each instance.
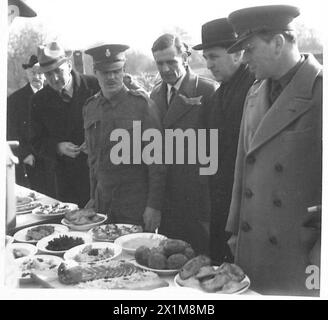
(277, 177)
(187, 192)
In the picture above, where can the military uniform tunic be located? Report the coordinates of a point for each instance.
(121, 190)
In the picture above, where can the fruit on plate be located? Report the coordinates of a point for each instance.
(70, 272)
(171, 254)
(82, 217)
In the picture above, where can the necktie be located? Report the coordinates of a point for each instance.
(275, 91)
(172, 94)
(65, 96)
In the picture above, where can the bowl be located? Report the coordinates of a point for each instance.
(43, 243)
(20, 250)
(76, 252)
(84, 227)
(131, 242)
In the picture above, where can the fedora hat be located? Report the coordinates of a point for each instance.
(51, 56)
(33, 61)
(217, 33)
(248, 22)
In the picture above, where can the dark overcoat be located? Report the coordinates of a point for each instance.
(277, 177)
(187, 200)
(37, 177)
(54, 121)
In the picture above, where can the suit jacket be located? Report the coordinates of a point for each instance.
(187, 192)
(277, 177)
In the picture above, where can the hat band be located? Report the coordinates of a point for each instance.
(249, 32)
(50, 62)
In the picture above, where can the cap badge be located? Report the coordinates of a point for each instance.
(107, 53)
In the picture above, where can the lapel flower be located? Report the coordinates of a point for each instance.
(192, 101)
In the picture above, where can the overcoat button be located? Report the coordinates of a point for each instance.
(277, 203)
(245, 226)
(248, 193)
(273, 240)
(278, 167)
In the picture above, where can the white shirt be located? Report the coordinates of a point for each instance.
(34, 89)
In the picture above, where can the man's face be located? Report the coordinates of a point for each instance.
(222, 64)
(35, 78)
(110, 81)
(170, 64)
(59, 77)
(259, 55)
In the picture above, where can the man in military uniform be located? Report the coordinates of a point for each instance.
(278, 165)
(187, 202)
(128, 193)
(227, 106)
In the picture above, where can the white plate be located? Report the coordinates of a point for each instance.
(31, 206)
(120, 226)
(161, 272)
(48, 274)
(25, 249)
(43, 243)
(72, 253)
(25, 200)
(84, 227)
(245, 280)
(20, 235)
(71, 207)
(133, 241)
(9, 240)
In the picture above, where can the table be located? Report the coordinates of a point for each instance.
(26, 220)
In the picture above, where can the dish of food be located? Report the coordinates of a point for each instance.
(20, 250)
(86, 223)
(94, 252)
(227, 278)
(137, 281)
(72, 272)
(110, 232)
(36, 233)
(60, 243)
(55, 210)
(45, 265)
(21, 201)
(27, 208)
(131, 242)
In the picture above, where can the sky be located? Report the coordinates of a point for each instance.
(78, 24)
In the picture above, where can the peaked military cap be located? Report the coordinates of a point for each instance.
(108, 56)
(250, 21)
(217, 33)
(24, 9)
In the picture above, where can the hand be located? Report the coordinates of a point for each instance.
(30, 160)
(83, 148)
(68, 149)
(152, 219)
(232, 243)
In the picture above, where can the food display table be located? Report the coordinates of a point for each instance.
(28, 219)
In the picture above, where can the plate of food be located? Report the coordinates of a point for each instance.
(59, 243)
(166, 258)
(93, 252)
(131, 242)
(45, 265)
(36, 233)
(83, 219)
(57, 209)
(110, 232)
(199, 274)
(22, 200)
(27, 208)
(21, 250)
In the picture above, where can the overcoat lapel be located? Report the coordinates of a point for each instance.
(291, 104)
(179, 107)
